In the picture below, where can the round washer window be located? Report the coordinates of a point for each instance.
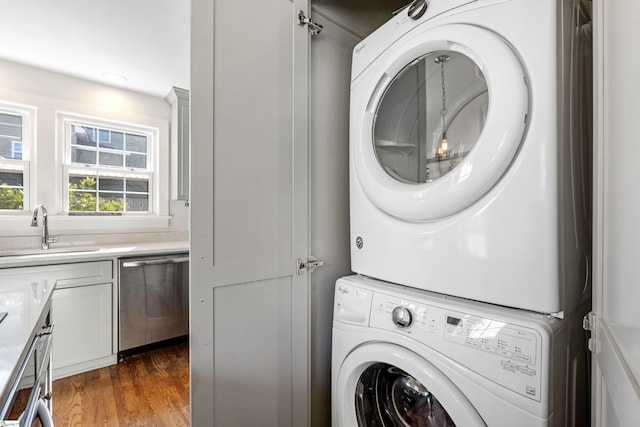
(388, 396)
(406, 389)
(430, 117)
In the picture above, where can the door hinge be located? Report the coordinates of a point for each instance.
(309, 265)
(589, 324)
(313, 27)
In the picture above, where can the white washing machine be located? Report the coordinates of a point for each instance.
(407, 357)
(470, 151)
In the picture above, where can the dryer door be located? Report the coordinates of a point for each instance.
(436, 120)
(381, 385)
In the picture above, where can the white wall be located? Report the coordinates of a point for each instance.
(50, 93)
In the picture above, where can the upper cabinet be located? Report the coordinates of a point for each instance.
(179, 101)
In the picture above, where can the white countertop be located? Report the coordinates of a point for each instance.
(56, 255)
(25, 299)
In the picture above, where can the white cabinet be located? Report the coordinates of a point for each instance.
(179, 101)
(83, 324)
(82, 312)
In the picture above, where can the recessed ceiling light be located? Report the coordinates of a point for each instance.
(114, 78)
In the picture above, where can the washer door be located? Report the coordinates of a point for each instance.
(384, 385)
(437, 120)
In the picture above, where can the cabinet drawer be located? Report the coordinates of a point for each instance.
(85, 273)
(67, 275)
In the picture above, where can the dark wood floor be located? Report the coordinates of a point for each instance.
(150, 389)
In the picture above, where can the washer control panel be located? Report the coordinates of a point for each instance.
(495, 347)
(491, 336)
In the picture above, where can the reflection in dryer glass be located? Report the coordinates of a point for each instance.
(430, 117)
(387, 396)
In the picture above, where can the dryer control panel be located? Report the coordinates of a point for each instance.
(502, 349)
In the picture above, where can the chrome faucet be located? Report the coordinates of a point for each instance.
(45, 225)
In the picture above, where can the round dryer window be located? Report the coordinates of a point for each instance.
(430, 117)
(444, 114)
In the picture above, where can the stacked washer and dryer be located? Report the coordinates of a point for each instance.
(470, 200)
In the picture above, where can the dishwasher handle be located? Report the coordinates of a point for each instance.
(155, 261)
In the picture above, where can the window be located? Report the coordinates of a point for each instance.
(16, 150)
(108, 168)
(15, 137)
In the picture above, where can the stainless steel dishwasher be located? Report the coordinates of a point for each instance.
(154, 301)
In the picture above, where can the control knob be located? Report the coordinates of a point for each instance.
(417, 9)
(402, 317)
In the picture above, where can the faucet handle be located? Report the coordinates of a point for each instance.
(52, 240)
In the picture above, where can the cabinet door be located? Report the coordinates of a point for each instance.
(616, 334)
(249, 223)
(83, 324)
(179, 101)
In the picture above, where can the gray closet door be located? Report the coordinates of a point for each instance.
(249, 213)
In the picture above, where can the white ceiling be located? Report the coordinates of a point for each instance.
(147, 41)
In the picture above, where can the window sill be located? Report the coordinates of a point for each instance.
(19, 225)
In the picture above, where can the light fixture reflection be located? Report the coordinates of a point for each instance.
(486, 329)
(443, 148)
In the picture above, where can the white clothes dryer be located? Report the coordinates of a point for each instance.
(408, 357)
(470, 151)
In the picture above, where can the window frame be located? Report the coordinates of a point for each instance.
(67, 120)
(29, 120)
